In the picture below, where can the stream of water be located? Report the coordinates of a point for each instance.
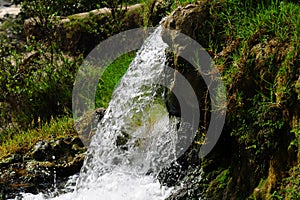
(137, 120)
(6, 7)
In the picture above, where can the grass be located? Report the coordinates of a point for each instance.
(250, 25)
(20, 141)
(291, 184)
(110, 79)
(270, 74)
(23, 141)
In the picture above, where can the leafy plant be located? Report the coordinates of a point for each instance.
(35, 84)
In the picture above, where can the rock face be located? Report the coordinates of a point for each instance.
(87, 125)
(48, 164)
(195, 15)
(189, 21)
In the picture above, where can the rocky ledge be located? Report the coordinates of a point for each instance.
(44, 167)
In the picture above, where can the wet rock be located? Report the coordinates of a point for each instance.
(40, 151)
(10, 160)
(190, 21)
(59, 149)
(36, 171)
(191, 186)
(122, 140)
(87, 125)
(70, 168)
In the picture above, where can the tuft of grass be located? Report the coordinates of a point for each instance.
(23, 141)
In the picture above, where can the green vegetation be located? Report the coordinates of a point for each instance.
(110, 78)
(67, 7)
(290, 186)
(271, 24)
(219, 183)
(36, 81)
(22, 141)
(37, 75)
(257, 50)
(255, 45)
(35, 84)
(18, 139)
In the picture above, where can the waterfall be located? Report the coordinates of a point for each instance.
(138, 122)
(135, 139)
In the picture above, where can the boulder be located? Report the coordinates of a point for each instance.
(86, 126)
(187, 21)
(46, 165)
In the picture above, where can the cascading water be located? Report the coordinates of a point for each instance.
(135, 139)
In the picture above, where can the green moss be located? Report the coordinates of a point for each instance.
(290, 185)
(110, 78)
(257, 55)
(217, 186)
(222, 179)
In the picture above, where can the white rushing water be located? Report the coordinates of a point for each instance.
(6, 7)
(137, 120)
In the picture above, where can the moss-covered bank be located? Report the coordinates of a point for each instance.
(256, 48)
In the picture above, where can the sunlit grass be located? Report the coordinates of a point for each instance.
(110, 78)
(22, 141)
